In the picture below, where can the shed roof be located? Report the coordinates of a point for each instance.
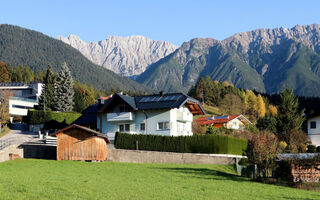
(90, 131)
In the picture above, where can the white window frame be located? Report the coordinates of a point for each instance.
(124, 127)
(315, 123)
(163, 126)
(144, 126)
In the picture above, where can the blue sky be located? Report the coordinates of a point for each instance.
(174, 21)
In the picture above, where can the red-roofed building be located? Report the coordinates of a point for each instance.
(237, 122)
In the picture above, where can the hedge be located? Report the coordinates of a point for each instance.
(216, 144)
(42, 117)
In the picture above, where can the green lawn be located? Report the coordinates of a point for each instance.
(43, 179)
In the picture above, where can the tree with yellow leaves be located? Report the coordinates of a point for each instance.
(272, 110)
(261, 106)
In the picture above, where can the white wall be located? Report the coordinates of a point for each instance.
(13, 111)
(314, 134)
(151, 118)
(235, 124)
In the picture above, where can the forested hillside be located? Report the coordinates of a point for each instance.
(36, 50)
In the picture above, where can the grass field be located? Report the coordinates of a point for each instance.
(43, 179)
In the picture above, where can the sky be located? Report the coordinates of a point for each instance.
(175, 21)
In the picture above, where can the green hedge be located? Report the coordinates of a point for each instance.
(42, 117)
(217, 144)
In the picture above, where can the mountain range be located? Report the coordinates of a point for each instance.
(36, 50)
(127, 56)
(266, 60)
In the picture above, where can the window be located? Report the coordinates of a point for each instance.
(313, 124)
(142, 126)
(121, 127)
(124, 127)
(127, 127)
(163, 125)
(124, 108)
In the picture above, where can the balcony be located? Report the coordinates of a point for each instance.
(184, 117)
(118, 117)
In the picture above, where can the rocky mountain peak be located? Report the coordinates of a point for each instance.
(126, 56)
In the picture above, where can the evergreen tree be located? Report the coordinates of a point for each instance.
(63, 93)
(289, 118)
(46, 100)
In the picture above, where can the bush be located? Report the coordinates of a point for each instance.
(311, 149)
(183, 144)
(41, 117)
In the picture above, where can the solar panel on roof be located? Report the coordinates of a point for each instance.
(220, 117)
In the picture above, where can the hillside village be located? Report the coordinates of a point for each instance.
(135, 118)
(214, 118)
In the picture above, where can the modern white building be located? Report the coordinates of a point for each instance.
(21, 97)
(314, 130)
(160, 114)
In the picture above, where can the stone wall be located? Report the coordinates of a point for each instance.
(13, 149)
(136, 156)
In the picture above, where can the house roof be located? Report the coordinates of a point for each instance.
(158, 101)
(75, 126)
(220, 119)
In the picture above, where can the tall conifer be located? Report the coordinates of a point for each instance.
(47, 95)
(63, 93)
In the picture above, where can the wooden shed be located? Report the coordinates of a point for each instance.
(80, 143)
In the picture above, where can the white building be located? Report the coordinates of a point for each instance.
(161, 114)
(21, 97)
(314, 130)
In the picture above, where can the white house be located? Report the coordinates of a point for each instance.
(314, 130)
(159, 114)
(22, 97)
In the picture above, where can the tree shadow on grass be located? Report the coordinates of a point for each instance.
(205, 173)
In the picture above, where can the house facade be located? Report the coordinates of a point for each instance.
(160, 114)
(21, 97)
(236, 122)
(314, 130)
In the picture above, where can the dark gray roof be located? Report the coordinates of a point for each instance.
(155, 101)
(7, 84)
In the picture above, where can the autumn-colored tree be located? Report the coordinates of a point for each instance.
(4, 109)
(272, 110)
(251, 104)
(262, 150)
(4, 74)
(261, 106)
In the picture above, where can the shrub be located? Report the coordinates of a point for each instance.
(262, 150)
(311, 149)
(41, 117)
(184, 144)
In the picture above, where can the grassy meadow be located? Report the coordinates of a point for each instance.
(45, 179)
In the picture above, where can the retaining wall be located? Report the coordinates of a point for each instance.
(136, 156)
(12, 149)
